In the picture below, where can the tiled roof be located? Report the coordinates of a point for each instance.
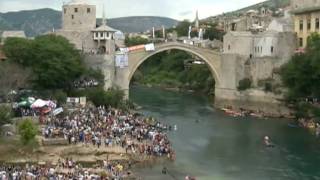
(78, 2)
(305, 10)
(105, 28)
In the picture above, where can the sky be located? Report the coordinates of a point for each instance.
(177, 9)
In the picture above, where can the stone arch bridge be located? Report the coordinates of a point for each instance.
(223, 69)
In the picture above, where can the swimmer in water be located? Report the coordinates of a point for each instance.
(267, 142)
(164, 170)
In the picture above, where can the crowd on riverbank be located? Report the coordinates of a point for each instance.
(111, 127)
(64, 169)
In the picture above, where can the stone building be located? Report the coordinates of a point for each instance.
(98, 43)
(80, 28)
(306, 19)
(259, 53)
(252, 20)
(264, 44)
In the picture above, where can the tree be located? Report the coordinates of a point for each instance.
(301, 75)
(55, 62)
(27, 131)
(58, 63)
(19, 50)
(132, 41)
(100, 97)
(183, 28)
(5, 115)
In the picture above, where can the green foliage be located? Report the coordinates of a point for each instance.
(268, 87)
(112, 97)
(267, 84)
(244, 84)
(5, 115)
(301, 75)
(132, 41)
(19, 50)
(95, 74)
(302, 110)
(27, 131)
(54, 61)
(60, 96)
(182, 28)
(58, 62)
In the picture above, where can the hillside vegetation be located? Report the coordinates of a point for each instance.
(36, 22)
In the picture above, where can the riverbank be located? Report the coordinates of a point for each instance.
(90, 135)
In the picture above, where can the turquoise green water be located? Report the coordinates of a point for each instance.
(226, 148)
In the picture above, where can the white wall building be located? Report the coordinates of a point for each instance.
(265, 44)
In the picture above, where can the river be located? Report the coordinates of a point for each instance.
(220, 147)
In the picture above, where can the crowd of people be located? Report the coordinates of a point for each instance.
(85, 83)
(23, 112)
(111, 127)
(64, 169)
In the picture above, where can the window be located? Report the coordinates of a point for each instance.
(309, 24)
(97, 35)
(271, 49)
(317, 25)
(88, 10)
(300, 42)
(101, 34)
(75, 10)
(72, 16)
(229, 47)
(65, 10)
(107, 34)
(301, 25)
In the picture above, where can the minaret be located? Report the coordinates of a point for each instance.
(197, 20)
(104, 21)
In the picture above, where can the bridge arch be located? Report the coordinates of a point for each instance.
(213, 69)
(211, 57)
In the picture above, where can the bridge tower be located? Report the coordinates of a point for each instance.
(78, 15)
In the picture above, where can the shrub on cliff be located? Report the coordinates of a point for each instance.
(244, 84)
(55, 62)
(27, 131)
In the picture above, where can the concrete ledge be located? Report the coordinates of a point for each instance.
(54, 142)
(254, 100)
